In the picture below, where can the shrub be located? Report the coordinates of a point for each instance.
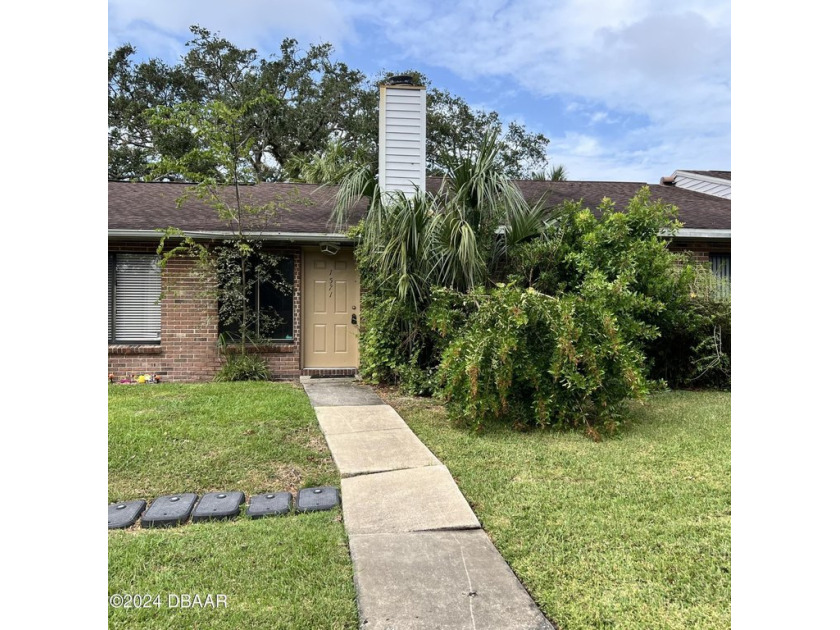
(243, 367)
(668, 292)
(400, 345)
(382, 337)
(693, 349)
(711, 354)
(397, 344)
(532, 358)
(564, 341)
(413, 244)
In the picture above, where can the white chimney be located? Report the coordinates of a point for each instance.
(402, 136)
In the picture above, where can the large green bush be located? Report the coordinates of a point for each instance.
(668, 291)
(395, 345)
(531, 358)
(563, 341)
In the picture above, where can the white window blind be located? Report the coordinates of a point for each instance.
(722, 268)
(134, 291)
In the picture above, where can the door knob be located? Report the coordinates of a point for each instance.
(353, 319)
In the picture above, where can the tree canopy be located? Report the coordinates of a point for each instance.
(300, 103)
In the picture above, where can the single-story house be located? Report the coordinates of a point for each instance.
(165, 322)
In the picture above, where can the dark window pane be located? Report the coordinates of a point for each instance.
(278, 304)
(275, 308)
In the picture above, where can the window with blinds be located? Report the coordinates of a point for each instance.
(133, 298)
(722, 268)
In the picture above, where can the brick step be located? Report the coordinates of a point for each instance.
(328, 372)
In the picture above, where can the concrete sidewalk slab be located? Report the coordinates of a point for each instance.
(413, 500)
(337, 420)
(452, 580)
(419, 560)
(333, 394)
(378, 451)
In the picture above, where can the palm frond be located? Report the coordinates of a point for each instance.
(554, 174)
(356, 185)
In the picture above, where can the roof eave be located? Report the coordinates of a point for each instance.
(317, 237)
(285, 237)
(702, 233)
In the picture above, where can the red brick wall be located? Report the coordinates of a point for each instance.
(700, 249)
(188, 350)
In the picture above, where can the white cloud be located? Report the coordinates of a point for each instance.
(666, 63)
(159, 26)
(640, 155)
(579, 145)
(629, 54)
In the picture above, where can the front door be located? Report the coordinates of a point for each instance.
(330, 310)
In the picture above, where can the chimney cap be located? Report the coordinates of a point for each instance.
(400, 79)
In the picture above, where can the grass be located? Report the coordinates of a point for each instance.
(631, 532)
(252, 437)
(284, 572)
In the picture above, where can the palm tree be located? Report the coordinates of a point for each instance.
(329, 166)
(454, 237)
(554, 174)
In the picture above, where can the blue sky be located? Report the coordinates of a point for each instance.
(626, 90)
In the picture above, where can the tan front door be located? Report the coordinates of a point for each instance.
(330, 310)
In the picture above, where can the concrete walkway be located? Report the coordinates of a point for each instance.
(420, 557)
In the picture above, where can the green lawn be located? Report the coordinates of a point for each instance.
(252, 437)
(632, 532)
(285, 572)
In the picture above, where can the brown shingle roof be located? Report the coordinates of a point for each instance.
(696, 210)
(302, 208)
(306, 208)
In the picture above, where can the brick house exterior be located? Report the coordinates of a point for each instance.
(187, 349)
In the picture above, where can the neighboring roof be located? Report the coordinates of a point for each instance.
(717, 183)
(307, 207)
(727, 175)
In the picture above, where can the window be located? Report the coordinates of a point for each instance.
(722, 268)
(271, 304)
(133, 298)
